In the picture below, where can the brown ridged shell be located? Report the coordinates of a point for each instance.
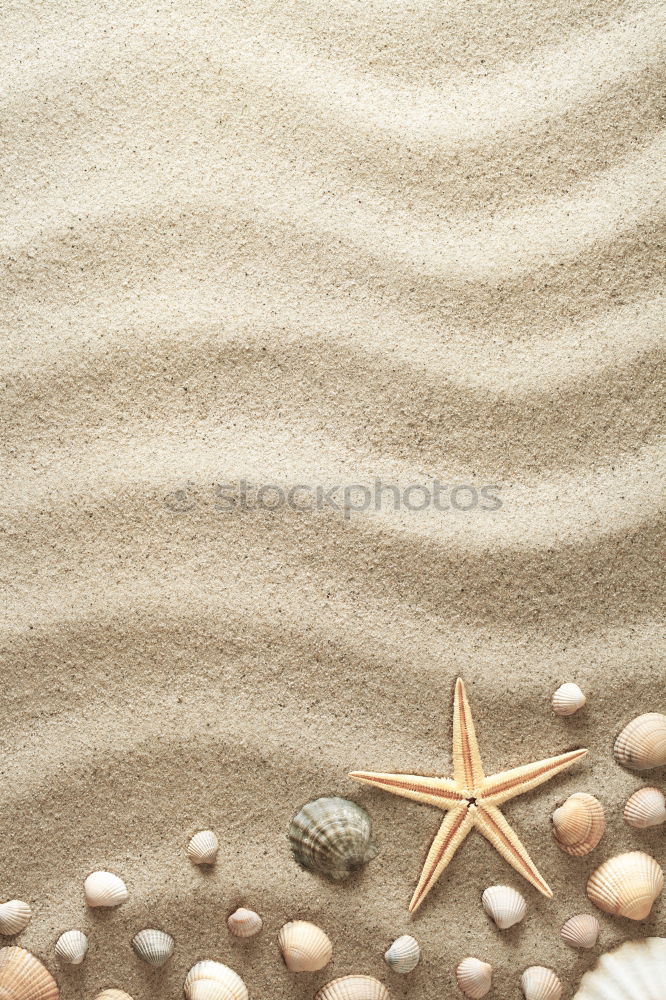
(23, 977)
(579, 824)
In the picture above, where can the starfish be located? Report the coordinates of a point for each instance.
(470, 800)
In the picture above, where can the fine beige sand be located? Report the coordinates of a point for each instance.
(319, 243)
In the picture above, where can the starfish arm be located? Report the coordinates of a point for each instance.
(492, 824)
(452, 832)
(502, 787)
(467, 768)
(440, 792)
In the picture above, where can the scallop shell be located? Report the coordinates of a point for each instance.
(105, 889)
(153, 946)
(404, 954)
(581, 931)
(214, 981)
(474, 978)
(579, 824)
(568, 699)
(642, 744)
(113, 995)
(539, 983)
(626, 885)
(354, 988)
(14, 917)
(634, 971)
(304, 946)
(203, 847)
(244, 923)
(71, 947)
(332, 836)
(505, 905)
(645, 808)
(23, 977)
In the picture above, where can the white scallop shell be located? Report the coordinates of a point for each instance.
(304, 946)
(626, 885)
(474, 978)
(15, 916)
(153, 946)
(71, 947)
(568, 699)
(104, 889)
(642, 743)
(354, 988)
(214, 981)
(504, 904)
(404, 954)
(581, 931)
(113, 995)
(203, 847)
(579, 824)
(634, 971)
(244, 923)
(645, 808)
(539, 983)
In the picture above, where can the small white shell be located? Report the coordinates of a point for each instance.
(474, 978)
(153, 946)
(214, 981)
(404, 954)
(304, 946)
(105, 889)
(504, 904)
(568, 699)
(581, 931)
(642, 743)
(203, 847)
(645, 808)
(626, 885)
(244, 923)
(579, 824)
(354, 988)
(15, 916)
(71, 947)
(113, 995)
(539, 983)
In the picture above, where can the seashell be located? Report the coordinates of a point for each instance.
(634, 971)
(113, 995)
(332, 836)
(642, 743)
(203, 847)
(645, 808)
(474, 977)
(244, 923)
(579, 824)
(354, 988)
(568, 699)
(505, 905)
(71, 947)
(626, 885)
(105, 889)
(14, 917)
(153, 946)
(539, 983)
(404, 954)
(581, 931)
(23, 977)
(304, 946)
(214, 981)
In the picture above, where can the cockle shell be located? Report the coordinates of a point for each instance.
(113, 995)
(354, 988)
(579, 824)
(71, 947)
(626, 885)
(474, 978)
(214, 981)
(23, 977)
(153, 946)
(634, 971)
(332, 836)
(539, 983)
(505, 905)
(404, 954)
(304, 946)
(105, 889)
(642, 743)
(203, 847)
(581, 931)
(568, 699)
(14, 917)
(645, 808)
(244, 923)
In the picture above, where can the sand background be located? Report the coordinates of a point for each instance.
(322, 243)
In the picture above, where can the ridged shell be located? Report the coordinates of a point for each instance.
(332, 836)
(304, 946)
(642, 744)
(539, 983)
(579, 824)
(203, 847)
(71, 947)
(105, 889)
(23, 977)
(404, 954)
(214, 981)
(634, 971)
(626, 885)
(244, 923)
(645, 808)
(581, 931)
(474, 978)
(14, 917)
(354, 988)
(113, 995)
(153, 946)
(568, 699)
(505, 905)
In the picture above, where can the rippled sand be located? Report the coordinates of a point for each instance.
(322, 243)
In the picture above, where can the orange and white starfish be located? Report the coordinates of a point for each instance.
(471, 800)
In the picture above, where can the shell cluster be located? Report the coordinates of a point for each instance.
(626, 885)
(203, 847)
(15, 915)
(153, 946)
(579, 824)
(645, 808)
(505, 905)
(23, 977)
(304, 946)
(539, 983)
(214, 981)
(581, 931)
(568, 699)
(244, 923)
(354, 988)
(71, 947)
(331, 835)
(642, 743)
(105, 889)
(634, 971)
(474, 978)
(404, 954)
